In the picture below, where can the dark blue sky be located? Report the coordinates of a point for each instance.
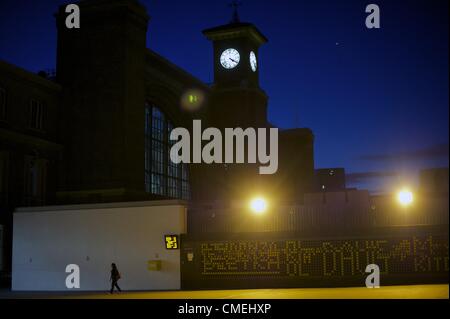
(376, 100)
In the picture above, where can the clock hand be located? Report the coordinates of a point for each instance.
(233, 60)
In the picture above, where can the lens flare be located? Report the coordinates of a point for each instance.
(405, 197)
(258, 205)
(192, 100)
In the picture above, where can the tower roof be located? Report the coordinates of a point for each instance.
(234, 30)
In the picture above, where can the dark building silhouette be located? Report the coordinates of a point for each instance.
(330, 179)
(99, 130)
(434, 180)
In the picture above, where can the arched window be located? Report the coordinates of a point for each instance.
(162, 176)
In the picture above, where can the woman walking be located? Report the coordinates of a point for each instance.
(115, 276)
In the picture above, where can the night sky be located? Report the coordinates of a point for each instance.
(376, 100)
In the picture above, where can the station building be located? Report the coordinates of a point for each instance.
(97, 130)
(86, 176)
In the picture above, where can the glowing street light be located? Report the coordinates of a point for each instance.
(258, 205)
(405, 197)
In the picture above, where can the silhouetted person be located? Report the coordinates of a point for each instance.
(115, 276)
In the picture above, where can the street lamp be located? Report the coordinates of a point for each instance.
(405, 197)
(258, 205)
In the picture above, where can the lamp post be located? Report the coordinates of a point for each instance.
(405, 198)
(258, 205)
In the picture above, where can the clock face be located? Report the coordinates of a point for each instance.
(230, 58)
(253, 62)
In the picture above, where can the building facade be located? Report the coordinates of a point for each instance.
(98, 131)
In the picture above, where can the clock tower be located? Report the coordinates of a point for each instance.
(236, 98)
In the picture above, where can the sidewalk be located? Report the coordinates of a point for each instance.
(387, 292)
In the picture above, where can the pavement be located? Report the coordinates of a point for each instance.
(386, 292)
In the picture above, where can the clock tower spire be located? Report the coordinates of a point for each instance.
(236, 98)
(235, 4)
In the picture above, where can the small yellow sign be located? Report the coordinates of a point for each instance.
(171, 241)
(154, 265)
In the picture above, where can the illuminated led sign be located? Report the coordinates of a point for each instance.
(171, 241)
